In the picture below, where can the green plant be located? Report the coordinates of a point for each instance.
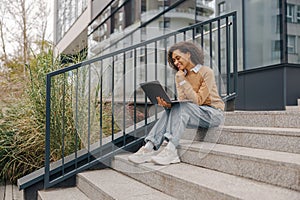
(22, 122)
(22, 127)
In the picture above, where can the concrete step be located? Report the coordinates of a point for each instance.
(295, 108)
(185, 181)
(109, 184)
(72, 193)
(281, 119)
(272, 167)
(271, 138)
(292, 108)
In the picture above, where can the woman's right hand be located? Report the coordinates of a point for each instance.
(162, 102)
(180, 75)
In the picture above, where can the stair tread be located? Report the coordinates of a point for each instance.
(120, 186)
(270, 130)
(290, 159)
(275, 112)
(234, 186)
(72, 193)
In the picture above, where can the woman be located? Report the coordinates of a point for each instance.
(194, 82)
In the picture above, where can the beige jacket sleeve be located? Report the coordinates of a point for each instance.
(203, 93)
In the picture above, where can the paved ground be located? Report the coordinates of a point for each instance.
(10, 192)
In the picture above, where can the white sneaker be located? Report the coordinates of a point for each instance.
(166, 157)
(141, 156)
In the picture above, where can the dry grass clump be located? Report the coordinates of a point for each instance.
(22, 122)
(23, 117)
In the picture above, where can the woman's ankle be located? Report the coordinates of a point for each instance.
(149, 146)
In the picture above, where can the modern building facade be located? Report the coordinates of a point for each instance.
(269, 52)
(268, 37)
(106, 25)
(263, 31)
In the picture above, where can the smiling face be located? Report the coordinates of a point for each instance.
(184, 55)
(182, 60)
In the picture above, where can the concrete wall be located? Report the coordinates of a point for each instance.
(268, 88)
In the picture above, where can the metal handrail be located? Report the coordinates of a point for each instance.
(132, 135)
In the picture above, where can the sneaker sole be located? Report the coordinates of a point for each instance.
(177, 160)
(139, 161)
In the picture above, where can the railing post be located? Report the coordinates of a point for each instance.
(89, 112)
(124, 97)
(63, 125)
(101, 106)
(112, 98)
(219, 58)
(135, 82)
(235, 52)
(47, 136)
(227, 58)
(76, 120)
(146, 79)
(210, 46)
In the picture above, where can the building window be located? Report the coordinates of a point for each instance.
(276, 49)
(164, 24)
(298, 14)
(222, 8)
(144, 30)
(278, 24)
(67, 12)
(277, 46)
(290, 13)
(130, 16)
(143, 6)
(291, 44)
(120, 16)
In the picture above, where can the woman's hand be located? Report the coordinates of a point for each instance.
(180, 75)
(162, 102)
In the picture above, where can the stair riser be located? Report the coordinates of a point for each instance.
(263, 120)
(267, 139)
(175, 187)
(90, 190)
(265, 171)
(274, 142)
(68, 193)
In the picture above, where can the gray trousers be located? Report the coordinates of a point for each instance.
(174, 121)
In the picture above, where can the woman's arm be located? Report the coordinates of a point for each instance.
(203, 93)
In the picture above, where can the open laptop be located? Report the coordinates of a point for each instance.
(154, 89)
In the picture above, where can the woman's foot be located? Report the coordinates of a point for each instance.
(166, 157)
(142, 155)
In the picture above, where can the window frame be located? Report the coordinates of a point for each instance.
(222, 7)
(291, 44)
(290, 13)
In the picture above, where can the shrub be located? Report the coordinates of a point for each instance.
(22, 127)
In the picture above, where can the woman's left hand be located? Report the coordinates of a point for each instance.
(163, 103)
